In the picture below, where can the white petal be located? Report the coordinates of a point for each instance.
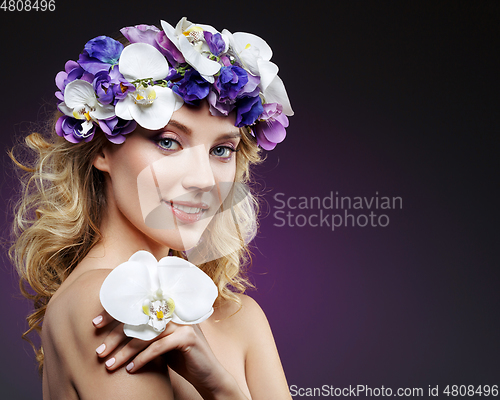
(179, 321)
(242, 40)
(192, 290)
(143, 332)
(170, 33)
(65, 109)
(182, 26)
(208, 28)
(141, 61)
(79, 92)
(250, 61)
(144, 257)
(124, 291)
(159, 325)
(86, 126)
(157, 114)
(149, 260)
(122, 108)
(103, 111)
(201, 63)
(227, 39)
(179, 102)
(276, 93)
(267, 71)
(208, 78)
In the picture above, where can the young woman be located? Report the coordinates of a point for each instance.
(149, 145)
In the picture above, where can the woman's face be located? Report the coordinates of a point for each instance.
(166, 185)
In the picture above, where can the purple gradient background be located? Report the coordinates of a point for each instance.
(395, 98)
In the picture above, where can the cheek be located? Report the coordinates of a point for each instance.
(130, 190)
(154, 184)
(224, 172)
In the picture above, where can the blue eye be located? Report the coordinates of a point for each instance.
(222, 151)
(168, 144)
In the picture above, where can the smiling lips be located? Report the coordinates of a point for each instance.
(188, 212)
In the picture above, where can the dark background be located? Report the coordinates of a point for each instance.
(395, 98)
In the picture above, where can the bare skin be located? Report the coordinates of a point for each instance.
(232, 355)
(241, 343)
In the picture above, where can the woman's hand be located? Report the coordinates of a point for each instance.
(185, 349)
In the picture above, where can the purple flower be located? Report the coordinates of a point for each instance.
(151, 35)
(111, 86)
(168, 49)
(192, 87)
(251, 89)
(215, 42)
(230, 81)
(233, 83)
(115, 128)
(225, 60)
(141, 34)
(121, 86)
(71, 128)
(270, 130)
(218, 107)
(103, 87)
(173, 75)
(72, 72)
(105, 49)
(248, 110)
(100, 54)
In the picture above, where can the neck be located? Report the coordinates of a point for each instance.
(120, 239)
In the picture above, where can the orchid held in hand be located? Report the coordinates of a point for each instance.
(146, 294)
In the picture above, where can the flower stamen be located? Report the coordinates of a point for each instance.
(159, 309)
(144, 96)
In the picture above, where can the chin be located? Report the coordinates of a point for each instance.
(178, 236)
(179, 229)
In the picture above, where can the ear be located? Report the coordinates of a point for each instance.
(101, 162)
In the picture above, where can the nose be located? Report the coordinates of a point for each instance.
(198, 174)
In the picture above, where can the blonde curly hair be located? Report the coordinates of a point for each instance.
(58, 216)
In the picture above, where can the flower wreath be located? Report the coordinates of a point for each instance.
(116, 87)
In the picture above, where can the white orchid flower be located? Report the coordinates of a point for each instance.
(254, 53)
(80, 102)
(190, 41)
(151, 106)
(146, 294)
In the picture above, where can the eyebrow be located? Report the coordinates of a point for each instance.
(188, 131)
(180, 126)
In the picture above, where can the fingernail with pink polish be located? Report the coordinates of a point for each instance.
(130, 366)
(100, 349)
(110, 362)
(97, 320)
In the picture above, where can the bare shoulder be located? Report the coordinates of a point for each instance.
(74, 303)
(247, 324)
(244, 318)
(242, 323)
(67, 324)
(67, 334)
(72, 369)
(246, 308)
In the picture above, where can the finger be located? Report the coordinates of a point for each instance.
(126, 353)
(112, 341)
(183, 339)
(102, 319)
